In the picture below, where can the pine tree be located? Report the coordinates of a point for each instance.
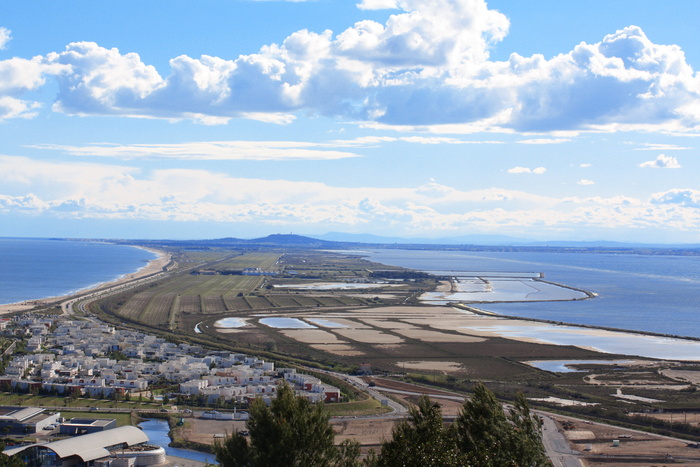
(422, 440)
(290, 432)
(526, 438)
(489, 438)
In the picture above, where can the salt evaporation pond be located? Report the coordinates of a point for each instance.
(565, 366)
(615, 342)
(331, 286)
(286, 323)
(230, 323)
(328, 324)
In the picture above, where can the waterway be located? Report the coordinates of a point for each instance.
(157, 432)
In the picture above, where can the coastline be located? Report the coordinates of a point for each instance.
(153, 266)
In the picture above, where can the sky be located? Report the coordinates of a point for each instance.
(543, 120)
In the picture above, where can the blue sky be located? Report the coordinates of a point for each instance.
(544, 120)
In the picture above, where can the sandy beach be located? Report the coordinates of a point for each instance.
(153, 266)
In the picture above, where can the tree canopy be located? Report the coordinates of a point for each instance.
(293, 432)
(290, 432)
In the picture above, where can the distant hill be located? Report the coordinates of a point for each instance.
(341, 241)
(291, 239)
(461, 240)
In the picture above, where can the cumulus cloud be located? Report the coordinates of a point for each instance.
(17, 108)
(585, 182)
(427, 65)
(5, 37)
(662, 162)
(209, 150)
(526, 170)
(17, 76)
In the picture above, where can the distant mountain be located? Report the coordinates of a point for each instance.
(291, 239)
(337, 240)
(461, 240)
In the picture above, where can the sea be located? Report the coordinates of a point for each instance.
(648, 293)
(40, 268)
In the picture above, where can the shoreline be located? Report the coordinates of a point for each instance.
(152, 267)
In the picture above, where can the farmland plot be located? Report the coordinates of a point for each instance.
(136, 305)
(190, 304)
(213, 304)
(235, 303)
(258, 303)
(158, 310)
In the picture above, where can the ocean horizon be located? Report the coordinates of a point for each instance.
(36, 268)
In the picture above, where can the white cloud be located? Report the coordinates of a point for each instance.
(83, 190)
(16, 108)
(662, 162)
(526, 170)
(544, 141)
(377, 4)
(427, 66)
(585, 165)
(585, 182)
(209, 150)
(682, 197)
(5, 36)
(375, 140)
(661, 147)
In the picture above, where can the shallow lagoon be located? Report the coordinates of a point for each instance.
(565, 366)
(230, 323)
(503, 288)
(332, 286)
(328, 324)
(653, 293)
(604, 341)
(286, 323)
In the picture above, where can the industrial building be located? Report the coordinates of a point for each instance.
(122, 446)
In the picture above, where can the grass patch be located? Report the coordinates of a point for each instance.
(123, 418)
(63, 403)
(365, 407)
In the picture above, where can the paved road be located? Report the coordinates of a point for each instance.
(557, 446)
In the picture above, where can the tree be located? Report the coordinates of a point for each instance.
(489, 438)
(290, 432)
(526, 438)
(7, 461)
(422, 440)
(482, 436)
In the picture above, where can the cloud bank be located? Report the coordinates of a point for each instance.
(427, 65)
(99, 191)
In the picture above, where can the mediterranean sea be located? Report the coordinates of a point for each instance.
(649, 293)
(39, 268)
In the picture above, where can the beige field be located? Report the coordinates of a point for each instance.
(445, 367)
(343, 350)
(312, 336)
(369, 336)
(388, 324)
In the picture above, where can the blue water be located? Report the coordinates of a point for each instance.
(286, 323)
(651, 293)
(39, 268)
(157, 432)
